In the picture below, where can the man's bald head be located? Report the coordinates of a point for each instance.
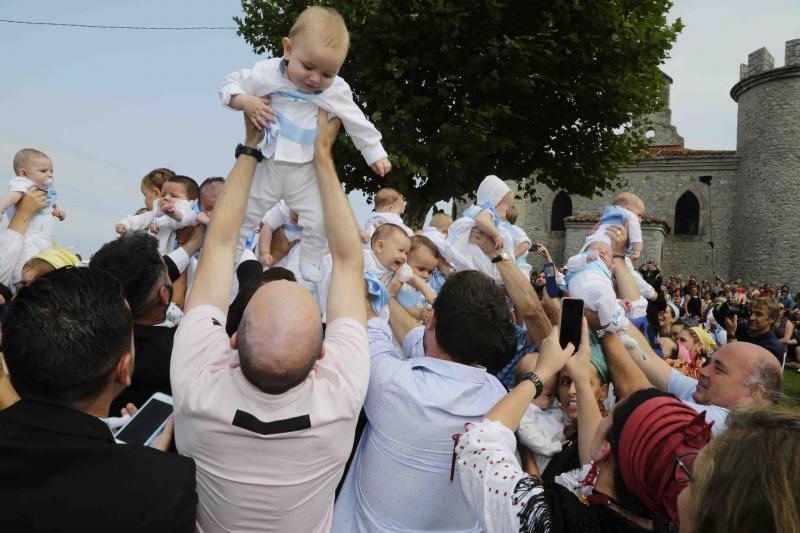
(739, 373)
(280, 337)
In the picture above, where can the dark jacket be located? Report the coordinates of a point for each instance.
(61, 470)
(769, 341)
(153, 345)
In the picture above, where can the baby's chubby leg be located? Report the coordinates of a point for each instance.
(301, 194)
(265, 192)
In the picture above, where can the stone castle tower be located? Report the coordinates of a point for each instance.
(768, 181)
(747, 201)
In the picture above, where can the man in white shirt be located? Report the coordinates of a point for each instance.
(270, 424)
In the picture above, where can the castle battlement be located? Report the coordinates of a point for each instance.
(761, 60)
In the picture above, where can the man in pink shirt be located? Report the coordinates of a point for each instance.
(269, 414)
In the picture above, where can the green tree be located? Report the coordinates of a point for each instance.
(530, 90)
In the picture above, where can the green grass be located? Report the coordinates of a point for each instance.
(791, 387)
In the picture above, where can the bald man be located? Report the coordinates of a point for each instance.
(269, 414)
(738, 374)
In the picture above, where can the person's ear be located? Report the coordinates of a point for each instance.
(23, 172)
(431, 324)
(603, 453)
(235, 341)
(163, 295)
(379, 245)
(287, 48)
(124, 370)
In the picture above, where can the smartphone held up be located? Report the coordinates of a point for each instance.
(571, 325)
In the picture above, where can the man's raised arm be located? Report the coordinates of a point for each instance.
(347, 291)
(519, 289)
(212, 284)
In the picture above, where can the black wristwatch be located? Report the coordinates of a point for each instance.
(246, 150)
(536, 380)
(617, 256)
(500, 257)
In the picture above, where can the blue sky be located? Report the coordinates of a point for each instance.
(109, 105)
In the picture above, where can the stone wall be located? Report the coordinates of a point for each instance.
(659, 181)
(768, 190)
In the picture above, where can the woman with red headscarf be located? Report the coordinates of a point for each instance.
(642, 457)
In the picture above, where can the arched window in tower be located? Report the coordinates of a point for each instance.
(687, 215)
(562, 208)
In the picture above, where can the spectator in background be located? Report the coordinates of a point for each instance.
(692, 304)
(759, 328)
(707, 302)
(767, 291)
(67, 342)
(784, 328)
(677, 299)
(785, 298)
(652, 274)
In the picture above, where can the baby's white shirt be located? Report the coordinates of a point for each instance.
(143, 221)
(267, 79)
(22, 184)
(634, 227)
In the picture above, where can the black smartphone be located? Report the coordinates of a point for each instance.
(535, 247)
(571, 325)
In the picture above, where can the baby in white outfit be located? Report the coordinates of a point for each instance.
(296, 87)
(175, 209)
(389, 208)
(33, 169)
(278, 217)
(493, 200)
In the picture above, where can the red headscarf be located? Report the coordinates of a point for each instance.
(657, 432)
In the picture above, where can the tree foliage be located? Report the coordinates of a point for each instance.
(530, 90)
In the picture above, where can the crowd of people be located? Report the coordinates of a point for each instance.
(328, 377)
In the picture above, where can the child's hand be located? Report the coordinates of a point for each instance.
(154, 228)
(203, 218)
(121, 229)
(59, 213)
(626, 304)
(266, 259)
(364, 236)
(381, 167)
(255, 109)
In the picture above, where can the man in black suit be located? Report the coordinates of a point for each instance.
(68, 347)
(146, 279)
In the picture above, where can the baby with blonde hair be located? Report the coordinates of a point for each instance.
(284, 95)
(32, 168)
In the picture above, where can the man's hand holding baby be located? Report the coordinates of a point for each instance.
(619, 239)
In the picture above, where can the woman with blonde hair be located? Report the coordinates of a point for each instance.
(695, 344)
(748, 478)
